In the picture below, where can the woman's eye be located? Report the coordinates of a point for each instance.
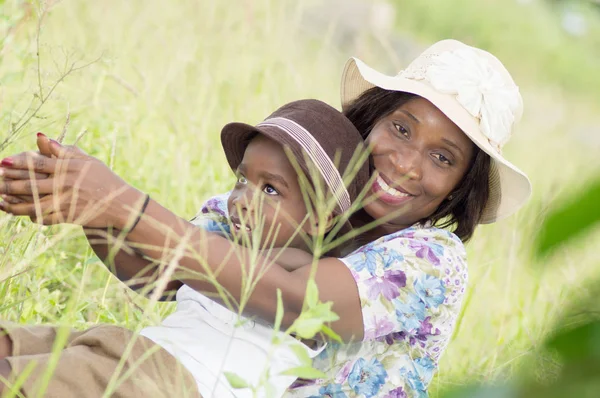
(242, 180)
(269, 190)
(442, 158)
(401, 130)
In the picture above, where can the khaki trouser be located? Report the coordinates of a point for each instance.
(104, 360)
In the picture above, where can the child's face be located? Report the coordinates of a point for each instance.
(267, 189)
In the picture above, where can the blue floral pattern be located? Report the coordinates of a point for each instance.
(367, 378)
(411, 284)
(331, 391)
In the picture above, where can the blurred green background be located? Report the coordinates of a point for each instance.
(166, 76)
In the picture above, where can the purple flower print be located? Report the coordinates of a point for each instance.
(409, 233)
(396, 393)
(423, 333)
(393, 337)
(378, 327)
(425, 327)
(428, 251)
(299, 383)
(342, 375)
(216, 205)
(387, 285)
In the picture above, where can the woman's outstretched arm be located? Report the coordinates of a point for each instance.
(81, 189)
(127, 264)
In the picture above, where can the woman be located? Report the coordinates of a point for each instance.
(436, 131)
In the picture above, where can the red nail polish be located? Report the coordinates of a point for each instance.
(6, 162)
(40, 135)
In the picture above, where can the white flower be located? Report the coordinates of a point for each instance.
(480, 89)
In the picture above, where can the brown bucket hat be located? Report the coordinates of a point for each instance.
(313, 131)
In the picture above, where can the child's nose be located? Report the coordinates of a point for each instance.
(245, 199)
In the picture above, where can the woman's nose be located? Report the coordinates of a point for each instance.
(408, 163)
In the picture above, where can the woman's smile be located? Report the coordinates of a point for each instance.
(393, 196)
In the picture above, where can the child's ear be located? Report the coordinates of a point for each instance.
(314, 224)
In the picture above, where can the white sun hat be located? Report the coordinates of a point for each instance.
(474, 90)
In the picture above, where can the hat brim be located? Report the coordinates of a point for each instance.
(236, 136)
(509, 189)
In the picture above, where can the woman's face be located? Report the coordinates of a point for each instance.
(419, 156)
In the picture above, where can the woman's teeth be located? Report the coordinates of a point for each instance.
(389, 190)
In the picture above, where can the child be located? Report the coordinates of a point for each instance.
(206, 337)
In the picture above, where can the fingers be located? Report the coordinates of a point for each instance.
(51, 154)
(39, 208)
(28, 187)
(17, 198)
(29, 161)
(14, 199)
(16, 174)
(65, 151)
(43, 144)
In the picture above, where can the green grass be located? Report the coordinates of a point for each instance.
(171, 75)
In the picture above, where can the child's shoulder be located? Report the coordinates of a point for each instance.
(215, 205)
(213, 214)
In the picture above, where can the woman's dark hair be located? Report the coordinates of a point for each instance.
(464, 211)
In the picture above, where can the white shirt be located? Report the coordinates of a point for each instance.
(208, 339)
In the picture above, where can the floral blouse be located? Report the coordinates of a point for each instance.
(411, 284)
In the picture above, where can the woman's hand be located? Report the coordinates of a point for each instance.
(43, 144)
(79, 188)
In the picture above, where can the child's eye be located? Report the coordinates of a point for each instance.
(269, 190)
(403, 131)
(242, 180)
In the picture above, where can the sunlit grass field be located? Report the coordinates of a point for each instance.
(166, 76)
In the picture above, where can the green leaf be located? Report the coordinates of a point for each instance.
(570, 220)
(312, 293)
(301, 354)
(311, 321)
(236, 381)
(307, 328)
(578, 343)
(476, 391)
(331, 334)
(323, 311)
(279, 312)
(305, 372)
